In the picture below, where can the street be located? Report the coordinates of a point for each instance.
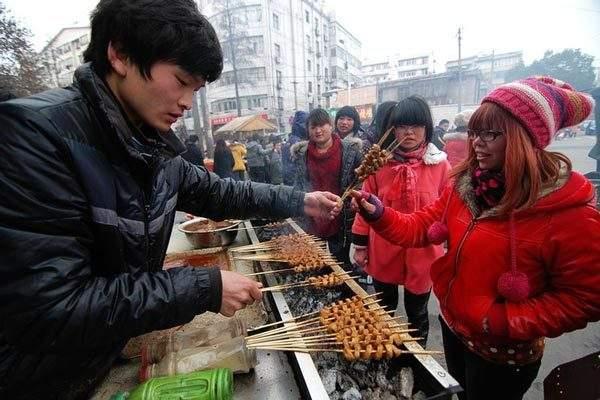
(577, 149)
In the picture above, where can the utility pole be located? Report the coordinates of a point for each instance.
(233, 61)
(492, 71)
(206, 128)
(196, 117)
(295, 83)
(459, 71)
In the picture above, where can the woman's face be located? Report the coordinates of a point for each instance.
(490, 150)
(411, 136)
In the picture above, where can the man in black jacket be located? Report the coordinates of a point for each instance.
(91, 178)
(192, 153)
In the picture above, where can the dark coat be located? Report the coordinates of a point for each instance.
(298, 134)
(275, 168)
(351, 159)
(224, 163)
(87, 208)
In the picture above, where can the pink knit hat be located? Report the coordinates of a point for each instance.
(543, 105)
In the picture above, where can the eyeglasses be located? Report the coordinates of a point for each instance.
(488, 135)
(405, 128)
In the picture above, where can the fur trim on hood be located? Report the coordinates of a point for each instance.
(455, 136)
(433, 155)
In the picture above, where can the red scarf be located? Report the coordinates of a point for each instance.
(404, 186)
(324, 173)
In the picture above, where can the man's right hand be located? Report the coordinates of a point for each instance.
(238, 292)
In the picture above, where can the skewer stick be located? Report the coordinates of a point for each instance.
(384, 136)
(275, 271)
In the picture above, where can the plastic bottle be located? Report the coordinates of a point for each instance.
(232, 354)
(199, 337)
(215, 384)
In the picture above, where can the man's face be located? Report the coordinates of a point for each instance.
(319, 134)
(345, 125)
(445, 126)
(159, 100)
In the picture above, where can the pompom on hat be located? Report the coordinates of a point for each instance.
(543, 105)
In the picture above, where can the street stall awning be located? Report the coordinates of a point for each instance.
(248, 123)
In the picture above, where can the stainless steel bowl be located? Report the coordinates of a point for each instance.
(218, 237)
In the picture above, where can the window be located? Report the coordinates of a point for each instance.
(307, 16)
(326, 72)
(279, 77)
(309, 65)
(275, 21)
(333, 52)
(277, 50)
(309, 87)
(280, 103)
(319, 90)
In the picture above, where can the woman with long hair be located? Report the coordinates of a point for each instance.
(523, 260)
(414, 179)
(224, 160)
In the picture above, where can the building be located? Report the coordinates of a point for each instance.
(493, 67)
(63, 54)
(287, 54)
(397, 67)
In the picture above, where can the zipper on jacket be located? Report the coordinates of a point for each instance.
(456, 258)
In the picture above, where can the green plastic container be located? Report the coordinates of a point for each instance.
(212, 384)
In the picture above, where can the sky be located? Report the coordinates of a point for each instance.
(401, 27)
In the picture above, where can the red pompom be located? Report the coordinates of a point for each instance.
(437, 233)
(513, 286)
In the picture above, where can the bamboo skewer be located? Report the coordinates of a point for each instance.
(301, 284)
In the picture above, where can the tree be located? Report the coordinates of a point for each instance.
(570, 65)
(20, 71)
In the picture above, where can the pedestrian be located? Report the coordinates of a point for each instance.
(438, 133)
(347, 123)
(275, 166)
(326, 162)
(91, 179)
(224, 161)
(523, 240)
(238, 150)
(298, 134)
(255, 158)
(455, 143)
(375, 130)
(193, 154)
(414, 179)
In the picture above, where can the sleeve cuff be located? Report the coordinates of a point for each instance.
(498, 320)
(383, 221)
(216, 289)
(360, 240)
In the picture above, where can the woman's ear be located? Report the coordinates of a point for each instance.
(118, 61)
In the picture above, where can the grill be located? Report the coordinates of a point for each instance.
(329, 375)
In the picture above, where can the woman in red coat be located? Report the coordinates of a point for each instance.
(523, 260)
(415, 178)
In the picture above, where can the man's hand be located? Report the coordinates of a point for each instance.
(238, 292)
(322, 205)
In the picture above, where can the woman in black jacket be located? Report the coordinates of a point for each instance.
(223, 160)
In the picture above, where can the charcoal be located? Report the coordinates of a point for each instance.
(404, 386)
(382, 381)
(388, 396)
(345, 382)
(329, 380)
(419, 396)
(352, 394)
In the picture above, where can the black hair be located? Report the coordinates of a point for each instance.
(149, 31)
(317, 117)
(193, 138)
(380, 121)
(444, 121)
(348, 111)
(412, 110)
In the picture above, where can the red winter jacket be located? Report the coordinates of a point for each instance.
(558, 248)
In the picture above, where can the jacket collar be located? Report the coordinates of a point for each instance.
(112, 116)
